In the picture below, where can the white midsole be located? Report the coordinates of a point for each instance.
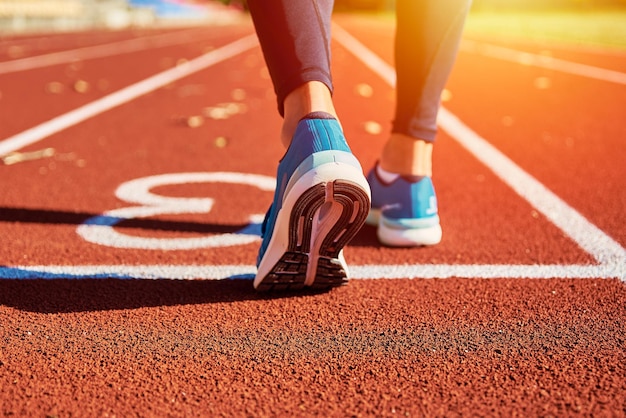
(393, 235)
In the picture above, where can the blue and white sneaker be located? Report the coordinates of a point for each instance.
(321, 201)
(405, 210)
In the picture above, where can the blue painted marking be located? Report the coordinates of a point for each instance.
(25, 274)
(241, 277)
(170, 9)
(103, 220)
(251, 229)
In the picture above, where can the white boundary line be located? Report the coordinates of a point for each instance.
(542, 61)
(125, 95)
(609, 253)
(589, 237)
(218, 272)
(96, 51)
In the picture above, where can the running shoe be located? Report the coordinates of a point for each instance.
(405, 210)
(321, 201)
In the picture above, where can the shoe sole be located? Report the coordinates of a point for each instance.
(392, 235)
(305, 251)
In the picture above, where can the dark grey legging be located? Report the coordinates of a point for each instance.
(295, 38)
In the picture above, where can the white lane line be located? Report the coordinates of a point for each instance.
(402, 271)
(97, 51)
(543, 61)
(125, 95)
(589, 237)
(603, 248)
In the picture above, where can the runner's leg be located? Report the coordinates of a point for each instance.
(295, 39)
(427, 39)
(404, 204)
(322, 198)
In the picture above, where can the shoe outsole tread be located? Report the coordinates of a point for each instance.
(290, 272)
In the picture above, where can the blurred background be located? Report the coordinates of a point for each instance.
(579, 21)
(70, 15)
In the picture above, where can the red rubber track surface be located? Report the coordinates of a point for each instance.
(106, 346)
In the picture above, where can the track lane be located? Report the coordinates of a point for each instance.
(375, 347)
(526, 251)
(573, 126)
(127, 46)
(564, 121)
(102, 76)
(26, 46)
(139, 139)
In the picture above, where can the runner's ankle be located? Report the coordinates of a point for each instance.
(405, 155)
(313, 96)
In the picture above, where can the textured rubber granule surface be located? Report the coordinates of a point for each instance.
(412, 347)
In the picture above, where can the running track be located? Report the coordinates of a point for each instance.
(163, 155)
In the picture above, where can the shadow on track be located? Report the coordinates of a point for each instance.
(60, 217)
(365, 238)
(88, 295)
(47, 293)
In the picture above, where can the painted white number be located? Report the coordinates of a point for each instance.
(99, 229)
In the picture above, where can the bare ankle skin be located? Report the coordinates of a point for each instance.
(406, 155)
(312, 96)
